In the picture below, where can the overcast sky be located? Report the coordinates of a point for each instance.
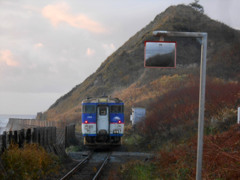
(48, 47)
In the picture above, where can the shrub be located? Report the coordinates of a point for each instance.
(176, 112)
(30, 162)
(221, 156)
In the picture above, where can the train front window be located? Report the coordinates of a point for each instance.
(116, 109)
(103, 111)
(89, 109)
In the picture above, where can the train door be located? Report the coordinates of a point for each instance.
(102, 120)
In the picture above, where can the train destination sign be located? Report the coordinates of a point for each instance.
(161, 54)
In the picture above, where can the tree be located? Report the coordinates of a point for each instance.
(195, 5)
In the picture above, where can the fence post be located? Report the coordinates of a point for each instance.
(28, 136)
(35, 135)
(10, 137)
(15, 137)
(21, 138)
(46, 135)
(41, 136)
(50, 135)
(4, 141)
(54, 135)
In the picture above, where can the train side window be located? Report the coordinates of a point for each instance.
(116, 109)
(89, 109)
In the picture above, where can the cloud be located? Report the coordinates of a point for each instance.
(90, 52)
(7, 58)
(109, 48)
(60, 13)
(38, 45)
(31, 8)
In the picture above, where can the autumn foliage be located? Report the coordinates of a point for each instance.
(177, 111)
(143, 95)
(221, 157)
(30, 162)
(171, 126)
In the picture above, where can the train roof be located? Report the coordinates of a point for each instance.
(104, 99)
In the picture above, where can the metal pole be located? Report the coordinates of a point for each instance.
(203, 36)
(201, 107)
(238, 121)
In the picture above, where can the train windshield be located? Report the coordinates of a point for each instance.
(89, 109)
(103, 110)
(116, 109)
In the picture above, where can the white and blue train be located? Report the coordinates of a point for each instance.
(102, 121)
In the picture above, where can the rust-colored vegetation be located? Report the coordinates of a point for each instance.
(171, 125)
(144, 95)
(175, 114)
(221, 157)
(170, 129)
(30, 162)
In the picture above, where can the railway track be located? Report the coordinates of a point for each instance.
(90, 167)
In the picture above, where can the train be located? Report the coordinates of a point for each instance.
(102, 121)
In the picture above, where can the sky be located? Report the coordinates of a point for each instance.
(48, 47)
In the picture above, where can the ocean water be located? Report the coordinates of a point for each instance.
(4, 119)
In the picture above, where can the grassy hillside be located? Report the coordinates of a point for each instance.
(124, 69)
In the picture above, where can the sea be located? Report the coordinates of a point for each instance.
(4, 119)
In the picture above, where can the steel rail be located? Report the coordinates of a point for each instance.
(76, 168)
(102, 166)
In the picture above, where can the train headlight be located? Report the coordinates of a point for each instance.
(119, 122)
(86, 121)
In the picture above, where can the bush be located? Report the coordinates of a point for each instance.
(221, 156)
(30, 162)
(174, 115)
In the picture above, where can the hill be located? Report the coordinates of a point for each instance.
(122, 73)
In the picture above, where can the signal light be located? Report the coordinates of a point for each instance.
(86, 121)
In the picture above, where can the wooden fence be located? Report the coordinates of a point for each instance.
(70, 137)
(53, 139)
(42, 135)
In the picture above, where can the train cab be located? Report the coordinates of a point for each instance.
(102, 120)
